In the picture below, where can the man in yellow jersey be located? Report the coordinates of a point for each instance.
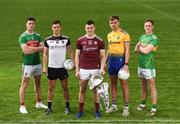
(118, 58)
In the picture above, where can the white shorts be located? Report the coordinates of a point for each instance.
(29, 70)
(146, 73)
(85, 74)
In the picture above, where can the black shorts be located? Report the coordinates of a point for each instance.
(57, 73)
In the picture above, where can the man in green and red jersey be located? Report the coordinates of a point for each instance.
(31, 44)
(146, 48)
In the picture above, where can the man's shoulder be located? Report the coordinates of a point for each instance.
(49, 37)
(81, 38)
(154, 37)
(142, 36)
(110, 33)
(122, 32)
(37, 34)
(64, 37)
(98, 38)
(23, 34)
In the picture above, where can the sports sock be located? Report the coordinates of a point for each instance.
(67, 105)
(81, 107)
(96, 106)
(22, 103)
(126, 105)
(154, 106)
(143, 101)
(114, 102)
(49, 105)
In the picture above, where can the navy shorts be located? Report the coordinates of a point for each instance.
(115, 64)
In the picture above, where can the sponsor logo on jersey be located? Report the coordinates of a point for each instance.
(118, 37)
(85, 48)
(33, 43)
(90, 42)
(57, 41)
(95, 42)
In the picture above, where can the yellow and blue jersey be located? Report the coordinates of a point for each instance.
(116, 42)
(116, 50)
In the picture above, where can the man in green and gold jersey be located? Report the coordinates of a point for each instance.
(146, 48)
(31, 44)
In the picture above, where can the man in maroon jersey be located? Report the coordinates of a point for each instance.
(89, 59)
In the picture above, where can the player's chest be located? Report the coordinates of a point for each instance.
(31, 38)
(145, 40)
(115, 38)
(57, 43)
(89, 45)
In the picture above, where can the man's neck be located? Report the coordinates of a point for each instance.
(90, 35)
(29, 32)
(115, 30)
(149, 33)
(56, 35)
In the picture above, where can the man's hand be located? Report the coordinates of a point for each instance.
(102, 71)
(45, 71)
(77, 74)
(125, 68)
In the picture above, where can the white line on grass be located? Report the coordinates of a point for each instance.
(105, 121)
(156, 10)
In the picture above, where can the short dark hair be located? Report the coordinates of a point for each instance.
(149, 20)
(56, 22)
(90, 22)
(114, 17)
(31, 19)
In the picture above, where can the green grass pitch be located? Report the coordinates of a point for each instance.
(73, 15)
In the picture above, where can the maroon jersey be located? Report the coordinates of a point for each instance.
(90, 52)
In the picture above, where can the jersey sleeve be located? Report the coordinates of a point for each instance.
(68, 43)
(21, 40)
(46, 44)
(78, 45)
(127, 38)
(154, 42)
(101, 45)
(40, 38)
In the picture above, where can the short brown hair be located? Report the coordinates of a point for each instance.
(149, 20)
(90, 22)
(56, 22)
(31, 19)
(114, 17)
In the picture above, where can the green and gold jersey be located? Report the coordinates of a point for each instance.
(146, 61)
(31, 40)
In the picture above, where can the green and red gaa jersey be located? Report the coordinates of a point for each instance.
(146, 61)
(31, 40)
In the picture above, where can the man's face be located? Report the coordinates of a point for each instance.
(148, 27)
(114, 24)
(56, 29)
(90, 29)
(30, 25)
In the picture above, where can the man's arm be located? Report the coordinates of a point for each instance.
(70, 52)
(40, 48)
(103, 61)
(136, 49)
(29, 49)
(127, 54)
(77, 62)
(45, 59)
(146, 49)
